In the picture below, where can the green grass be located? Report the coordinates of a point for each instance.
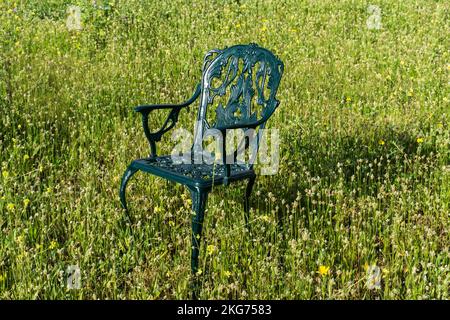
(364, 175)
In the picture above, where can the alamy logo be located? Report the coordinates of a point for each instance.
(73, 22)
(241, 147)
(73, 277)
(374, 20)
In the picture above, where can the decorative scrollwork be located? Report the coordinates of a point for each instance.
(242, 71)
(196, 171)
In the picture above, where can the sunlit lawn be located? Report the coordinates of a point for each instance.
(363, 184)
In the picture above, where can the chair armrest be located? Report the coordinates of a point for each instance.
(170, 122)
(150, 107)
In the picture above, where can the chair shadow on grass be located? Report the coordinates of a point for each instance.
(318, 162)
(401, 145)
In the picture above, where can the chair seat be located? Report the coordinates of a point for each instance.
(199, 175)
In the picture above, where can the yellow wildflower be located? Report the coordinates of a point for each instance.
(53, 245)
(26, 202)
(419, 140)
(323, 270)
(227, 274)
(10, 206)
(210, 249)
(381, 142)
(158, 209)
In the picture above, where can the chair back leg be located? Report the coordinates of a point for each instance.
(248, 192)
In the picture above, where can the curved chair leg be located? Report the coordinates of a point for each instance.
(199, 199)
(123, 185)
(248, 192)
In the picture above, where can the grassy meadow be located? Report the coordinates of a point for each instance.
(363, 185)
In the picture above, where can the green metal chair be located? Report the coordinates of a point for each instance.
(240, 71)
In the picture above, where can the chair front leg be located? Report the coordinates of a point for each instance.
(123, 185)
(199, 198)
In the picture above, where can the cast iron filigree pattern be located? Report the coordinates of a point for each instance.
(196, 171)
(241, 71)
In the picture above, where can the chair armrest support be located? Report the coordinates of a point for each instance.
(170, 122)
